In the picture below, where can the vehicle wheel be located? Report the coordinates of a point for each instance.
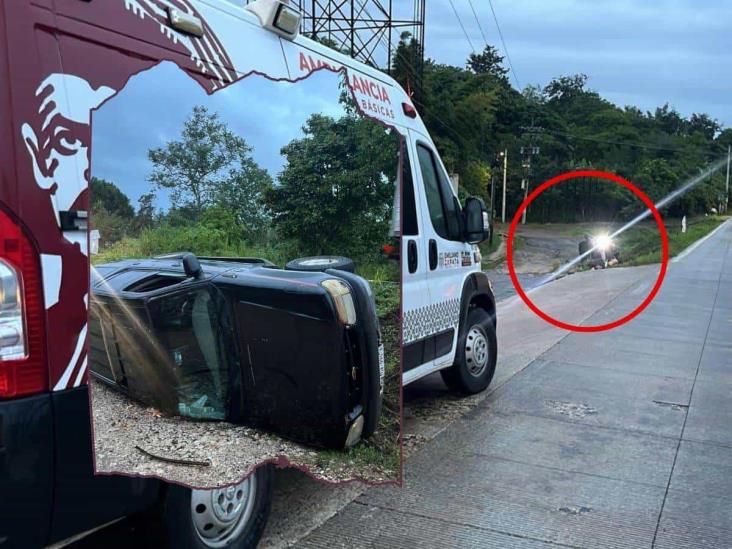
(234, 516)
(477, 351)
(321, 263)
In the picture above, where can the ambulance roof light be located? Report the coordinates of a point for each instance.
(277, 16)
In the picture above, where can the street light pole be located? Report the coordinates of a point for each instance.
(505, 175)
(493, 201)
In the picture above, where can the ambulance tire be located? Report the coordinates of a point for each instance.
(177, 526)
(476, 355)
(321, 263)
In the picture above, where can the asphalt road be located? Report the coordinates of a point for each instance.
(613, 439)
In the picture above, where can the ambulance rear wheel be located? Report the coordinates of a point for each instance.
(476, 355)
(233, 516)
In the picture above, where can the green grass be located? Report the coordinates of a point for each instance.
(486, 249)
(641, 245)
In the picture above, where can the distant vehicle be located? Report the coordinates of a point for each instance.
(600, 251)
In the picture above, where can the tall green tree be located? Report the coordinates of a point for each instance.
(109, 196)
(209, 163)
(334, 194)
(489, 61)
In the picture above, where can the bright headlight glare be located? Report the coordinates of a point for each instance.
(603, 242)
(343, 300)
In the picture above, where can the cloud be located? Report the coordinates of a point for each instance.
(634, 51)
(146, 115)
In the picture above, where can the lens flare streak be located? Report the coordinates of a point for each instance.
(637, 219)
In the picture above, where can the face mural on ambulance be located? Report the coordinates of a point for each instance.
(57, 145)
(56, 136)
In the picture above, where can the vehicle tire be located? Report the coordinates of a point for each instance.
(475, 359)
(320, 263)
(234, 516)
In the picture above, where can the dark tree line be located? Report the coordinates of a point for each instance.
(473, 112)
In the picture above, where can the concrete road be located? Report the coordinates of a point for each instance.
(575, 442)
(614, 439)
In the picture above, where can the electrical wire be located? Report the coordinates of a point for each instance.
(620, 143)
(475, 14)
(461, 137)
(460, 21)
(505, 48)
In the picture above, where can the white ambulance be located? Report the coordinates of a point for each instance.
(61, 60)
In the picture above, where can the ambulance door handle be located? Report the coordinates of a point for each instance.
(433, 254)
(412, 258)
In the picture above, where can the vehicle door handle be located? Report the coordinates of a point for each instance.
(433, 254)
(412, 259)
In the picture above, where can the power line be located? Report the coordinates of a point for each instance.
(475, 14)
(411, 72)
(621, 143)
(460, 21)
(505, 48)
(462, 137)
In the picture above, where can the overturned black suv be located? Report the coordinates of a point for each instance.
(297, 352)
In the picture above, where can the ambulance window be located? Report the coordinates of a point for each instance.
(409, 219)
(440, 199)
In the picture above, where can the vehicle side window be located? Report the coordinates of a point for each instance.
(409, 207)
(443, 208)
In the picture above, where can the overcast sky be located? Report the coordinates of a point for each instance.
(635, 52)
(146, 115)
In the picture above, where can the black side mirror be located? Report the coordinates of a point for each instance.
(475, 221)
(191, 266)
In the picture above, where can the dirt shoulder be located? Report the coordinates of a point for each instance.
(537, 249)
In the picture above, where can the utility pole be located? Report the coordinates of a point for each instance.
(505, 175)
(526, 154)
(495, 165)
(726, 194)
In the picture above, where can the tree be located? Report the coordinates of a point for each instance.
(489, 61)
(565, 88)
(207, 157)
(145, 216)
(111, 226)
(335, 193)
(108, 195)
(243, 196)
(407, 66)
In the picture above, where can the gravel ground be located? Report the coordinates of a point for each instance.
(233, 451)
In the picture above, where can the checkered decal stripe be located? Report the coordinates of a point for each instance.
(429, 320)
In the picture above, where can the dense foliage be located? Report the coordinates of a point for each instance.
(474, 112)
(333, 196)
(336, 190)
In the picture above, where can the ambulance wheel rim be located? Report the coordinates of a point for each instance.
(477, 351)
(220, 515)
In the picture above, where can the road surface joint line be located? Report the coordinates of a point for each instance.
(571, 362)
(691, 394)
(468, 525)
(570, 471)
(651, 434)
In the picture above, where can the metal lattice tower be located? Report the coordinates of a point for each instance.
(367, 30)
